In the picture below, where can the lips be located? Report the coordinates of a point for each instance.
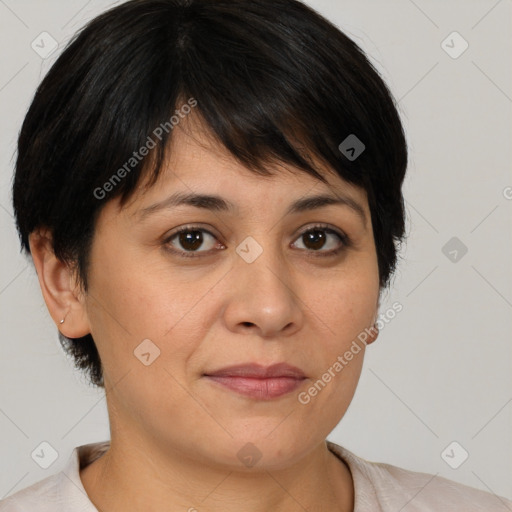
(257, 381)
(256, 371)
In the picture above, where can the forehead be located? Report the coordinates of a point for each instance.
(200, 175)
(196, 162)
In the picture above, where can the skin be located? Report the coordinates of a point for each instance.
(175, 435)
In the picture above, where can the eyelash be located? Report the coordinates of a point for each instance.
(344, 239)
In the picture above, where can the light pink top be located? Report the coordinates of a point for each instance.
(378, 487)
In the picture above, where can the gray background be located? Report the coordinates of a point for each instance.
(441, 369)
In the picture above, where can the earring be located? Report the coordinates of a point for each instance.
(62, 320)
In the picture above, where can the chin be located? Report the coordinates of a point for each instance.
(255, 450)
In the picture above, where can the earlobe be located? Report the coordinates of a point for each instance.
(374, 334)
(374, 330)
(56, 279)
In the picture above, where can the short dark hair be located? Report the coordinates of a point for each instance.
(273, 80)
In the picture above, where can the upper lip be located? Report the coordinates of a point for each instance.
(257, 371)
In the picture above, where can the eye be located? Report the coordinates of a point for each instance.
(322, 237)
(189, 239)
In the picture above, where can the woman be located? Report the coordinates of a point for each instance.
(211, 195)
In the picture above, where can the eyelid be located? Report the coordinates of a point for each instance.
(184, 229)
(321, 225)
(344, 239)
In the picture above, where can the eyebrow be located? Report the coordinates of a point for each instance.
(219, 204)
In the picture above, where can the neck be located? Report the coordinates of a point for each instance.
(126, 478)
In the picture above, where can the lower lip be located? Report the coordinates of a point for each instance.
(263, 389)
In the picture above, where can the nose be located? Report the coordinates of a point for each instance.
(263, 298)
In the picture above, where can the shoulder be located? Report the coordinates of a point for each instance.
(39, 497)
(393, 488)
(62, 492)
(433, 492)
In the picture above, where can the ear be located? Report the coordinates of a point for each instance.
(373, 334)
(373, 331)
(59, 287)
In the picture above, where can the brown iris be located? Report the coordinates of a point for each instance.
(316, 239)
(191, 240)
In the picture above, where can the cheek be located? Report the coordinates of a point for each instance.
(348, 304)
(133, 299)
(341, 311)
(123, 305)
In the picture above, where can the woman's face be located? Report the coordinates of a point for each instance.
(244, 285)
